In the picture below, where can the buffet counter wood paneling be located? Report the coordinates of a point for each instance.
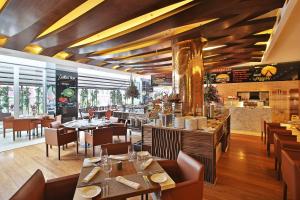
(166, 142)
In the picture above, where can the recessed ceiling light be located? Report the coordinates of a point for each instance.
(33, 48)
(3, 40)
(261, 43)
(213, 47)
(269, 31)
(132, 25)
(62, 55)
(77, 12)
(2, 4)
(116, 67)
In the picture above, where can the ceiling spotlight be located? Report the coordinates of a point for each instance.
(213, 47)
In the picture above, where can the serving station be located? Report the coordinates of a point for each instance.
(205, 145)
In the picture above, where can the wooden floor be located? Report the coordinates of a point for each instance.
(244, 172)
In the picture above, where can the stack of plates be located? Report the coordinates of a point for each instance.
(191, 123)
(179, 122)
(202, 122)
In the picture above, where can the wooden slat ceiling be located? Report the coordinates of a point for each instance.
(237, 31)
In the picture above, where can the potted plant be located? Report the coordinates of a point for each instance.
(132, 91)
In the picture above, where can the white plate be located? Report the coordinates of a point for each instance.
(90, 191)
(159, 178)
(94, 159)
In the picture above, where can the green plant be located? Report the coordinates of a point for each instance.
(84, 97)
(210, 92)
(94, 95)
(26, 94)
(132, 91)
(119, 97)
(4, 100)
(38, 99)
(113, 97)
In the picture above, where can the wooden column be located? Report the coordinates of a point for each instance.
(188, 67)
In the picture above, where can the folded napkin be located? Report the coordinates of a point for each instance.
(119, 157)
(87, 163)
(129, 183)
(91, 174)
(147, 163)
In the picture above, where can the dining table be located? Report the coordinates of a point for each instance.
(130, 170)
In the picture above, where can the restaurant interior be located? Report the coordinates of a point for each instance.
(151, 99)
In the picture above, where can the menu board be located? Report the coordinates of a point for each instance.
(259, 73)
(66, 95)
(161, 79)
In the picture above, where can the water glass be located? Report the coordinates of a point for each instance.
(131, 153)
(104, 154)
(107, 168)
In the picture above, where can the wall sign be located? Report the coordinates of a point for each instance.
(259, 73)
(161, 79)
(67, 95)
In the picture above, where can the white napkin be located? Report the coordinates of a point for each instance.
(147, 163)
(119, 157)
(91, 174)
(129, 183)
(87, 163)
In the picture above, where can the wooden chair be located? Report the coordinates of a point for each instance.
(118, 148)
(291, 172)
(7, 124)
(120, 129)
(270, 135)
(20, 125)
(279, 143)
(36, 188)
(59, 137)
(98, 137)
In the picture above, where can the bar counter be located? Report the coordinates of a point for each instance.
(205, 146)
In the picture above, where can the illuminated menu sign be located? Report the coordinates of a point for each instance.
(260, 73)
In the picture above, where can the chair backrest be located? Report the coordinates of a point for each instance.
(21, 124)
(278, 139)
(55, 124)
(118, 148)
(191, 169)
(33, 189)
(8, 122)
(119, 130)
(102, 136)
(58, 118)
(108, 114)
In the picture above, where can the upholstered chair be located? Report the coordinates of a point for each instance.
(59, 137)
(36, 188)
(188, 174)
(20, 125)
(98, 137)
(270, 135)
(118, 148)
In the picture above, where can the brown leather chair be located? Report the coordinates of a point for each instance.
(120, 129)
(98, 137)
(270, 135)
(291, 172)
(188, 174)
(46, 123)
(59, 137)
(20, 125)
(118, 148)
(7, 124)
(36, 188)
(279, 141)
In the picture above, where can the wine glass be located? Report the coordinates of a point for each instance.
(107, 168)
(131, 153)
(104, 154)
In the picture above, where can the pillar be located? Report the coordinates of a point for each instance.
(189, 72)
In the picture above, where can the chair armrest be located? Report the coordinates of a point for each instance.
(290, 145)
(172, 168)
(193, 189)
(61, 188)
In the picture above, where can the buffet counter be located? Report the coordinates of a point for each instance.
(249, 118)
(204, 145)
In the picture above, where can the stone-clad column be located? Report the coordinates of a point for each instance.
(189, 70)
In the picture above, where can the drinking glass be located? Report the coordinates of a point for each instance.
(140, 164)
(104, 154)
(131, 153)
(107, 168)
